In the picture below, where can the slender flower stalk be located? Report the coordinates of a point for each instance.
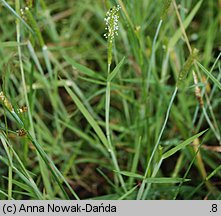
(111, 21)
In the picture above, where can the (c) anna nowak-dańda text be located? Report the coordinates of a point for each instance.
(67, 208)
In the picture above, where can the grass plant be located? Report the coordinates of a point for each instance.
(110, 99)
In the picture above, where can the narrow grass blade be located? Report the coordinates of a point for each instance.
(214, 172)
(87, 115)
(46, 177)
(83, 68)
(130, 174)
(28, 184)
(115, 71)
(128, 193)
(216, 82)
(54, 170)
(23, 173)
(141, 190)
(12, 44)
(10, 165)
(51, 166)
(165, 180)
(107, 178)
(5, 194)
(181, 145)
(135, 160)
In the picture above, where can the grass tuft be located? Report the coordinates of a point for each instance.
(110, 99)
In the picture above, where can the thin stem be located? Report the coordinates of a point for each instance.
(10, 168)
(107, 124)
(107, 106)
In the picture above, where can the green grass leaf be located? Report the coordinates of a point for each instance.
(216, 82)
(115, 71)
(128, 193)
(182, 145)
(85, 70)
(165, 180)
(87, 115)
(130, 174)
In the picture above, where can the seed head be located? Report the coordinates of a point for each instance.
(5, 102)
(111, 22)
(21, 132)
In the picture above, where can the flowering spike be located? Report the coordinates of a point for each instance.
(111, 22)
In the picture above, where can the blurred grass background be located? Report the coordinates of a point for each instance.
(54, 62)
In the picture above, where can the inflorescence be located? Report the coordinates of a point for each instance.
(111, 21)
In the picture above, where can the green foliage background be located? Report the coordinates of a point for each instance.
(53, 60)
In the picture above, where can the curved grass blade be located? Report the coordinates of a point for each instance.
(87, 71)
(216, 82)
(87, 115)
(128, 193)
(115, 71)
(182, 145)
